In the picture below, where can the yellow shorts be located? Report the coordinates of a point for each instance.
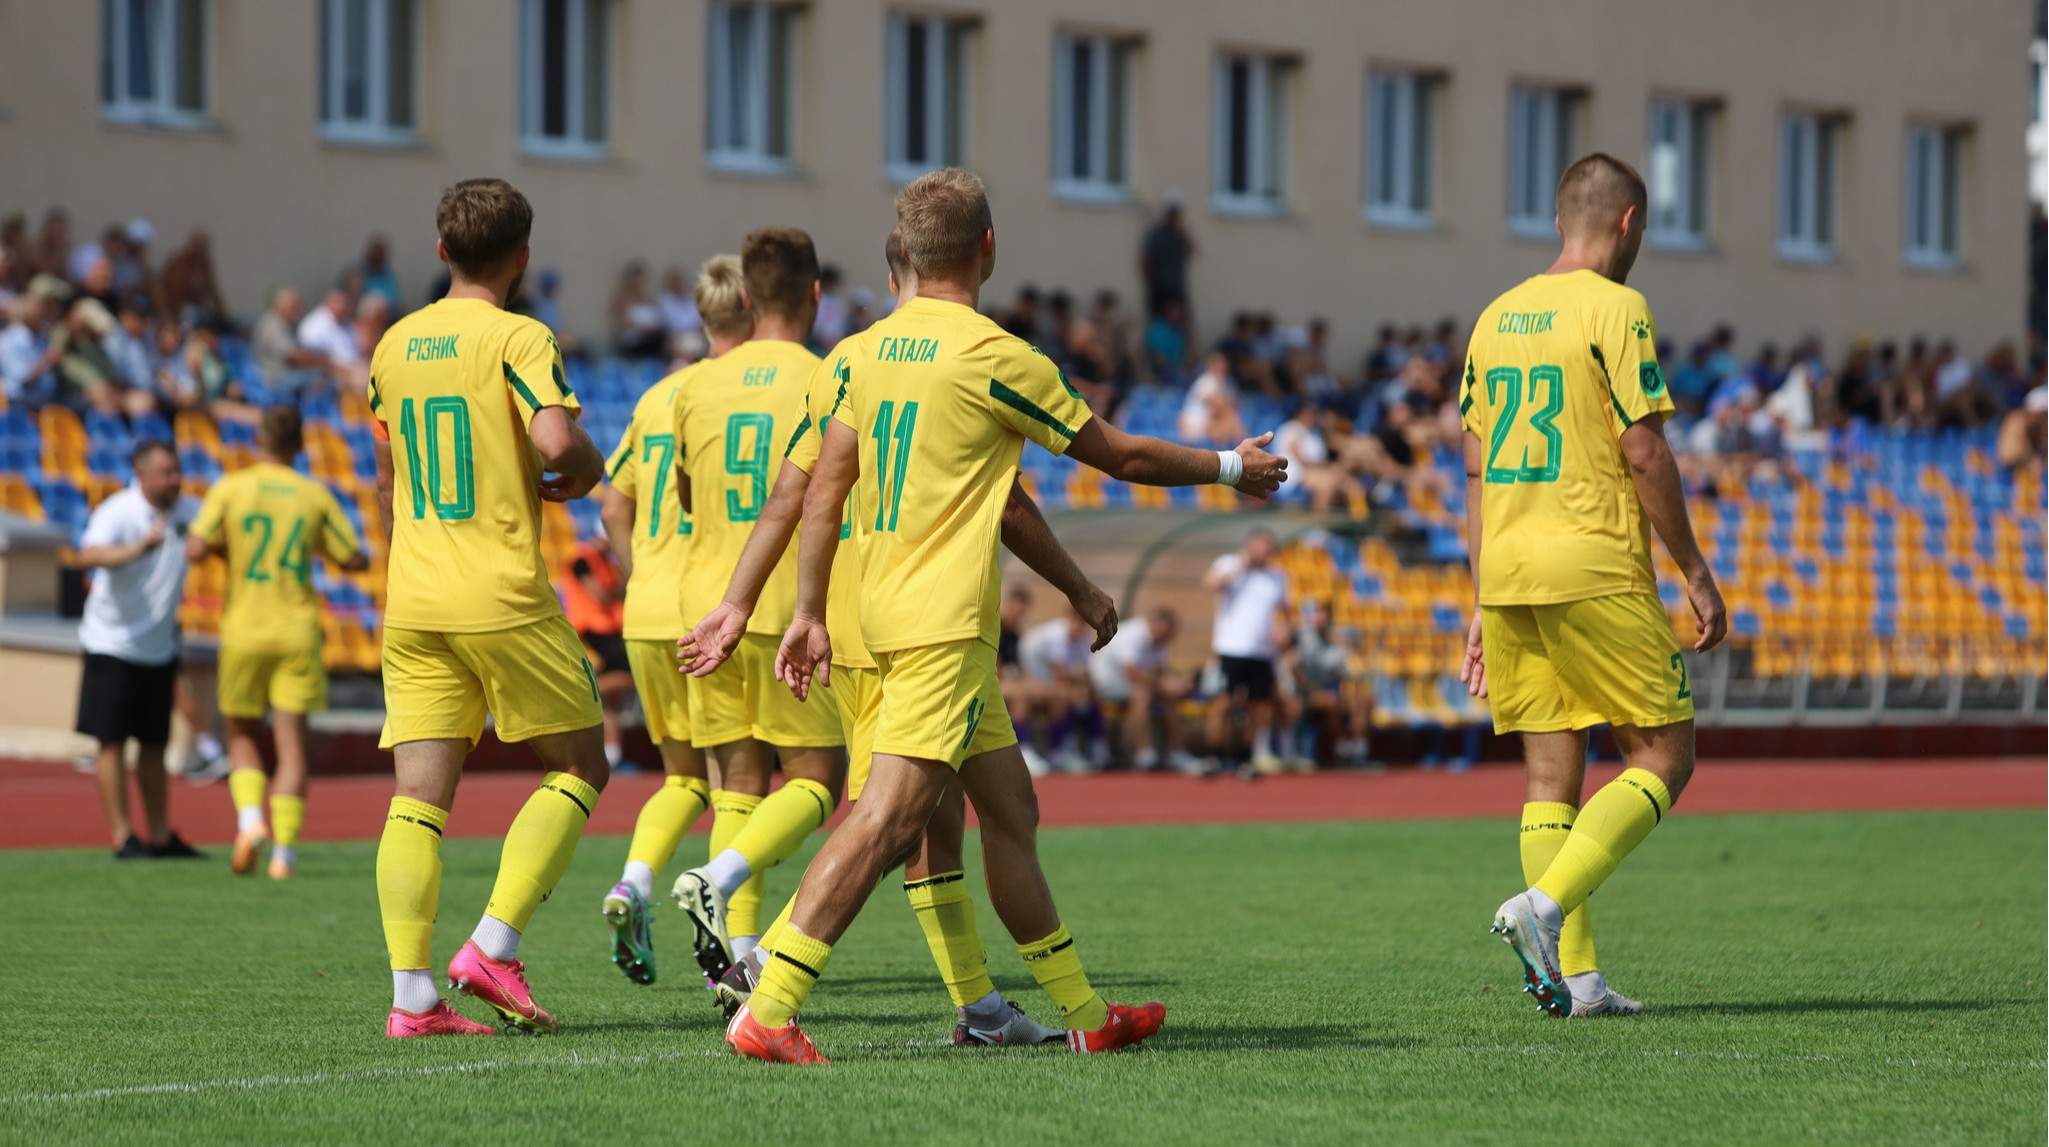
(1576, 664)
(941, 703)
(534, 679)
(251, 682)
(743, 699)
(858, 692)
(659, 681)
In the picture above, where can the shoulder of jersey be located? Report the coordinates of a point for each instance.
(660, 396)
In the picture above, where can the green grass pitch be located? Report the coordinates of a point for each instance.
(1855, 978)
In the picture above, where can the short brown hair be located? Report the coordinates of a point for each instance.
(780, 266)
(721, 305)
(283, 437)
(1595, 190)
(943, 215)
(893, 254)
(483, 223)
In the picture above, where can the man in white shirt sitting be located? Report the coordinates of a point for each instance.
(130, 638)
(330, 329)
(1130, 674)
(1054, 656)
(1251, 599)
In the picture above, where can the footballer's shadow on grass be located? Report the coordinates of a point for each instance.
(1822, 1007)
(923, 984)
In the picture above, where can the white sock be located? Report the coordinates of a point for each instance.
(612, 754)
(743, 945)
(641, 877)
(1547, 909)
(756, 960)
(413, 990)
(729, 870)
(499, 940)
(284, 854)
(1146, 759)
(249, 819)
(1588, 986)
(987, 1012)
(1263, 744)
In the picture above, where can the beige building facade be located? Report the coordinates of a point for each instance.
(1818, 166)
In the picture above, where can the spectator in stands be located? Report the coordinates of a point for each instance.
(1010, 620)
(284, 363)
(132, 273)
(594, 598)
(196, 377)
(1959, 400)
(96, 279)
(1694, 381)
(87, 376)
(1054, 657)
(329, 330)
(1116, 340)
(373, 318)
(1167, 343)
(637, 328)
(831, 325)
(1250, 599)
(19, 254)
(547, 310)
(679, 306)
(28, 353)
(9, 293)
(2023, 432)
(374, 275)
(132, 345)
(1130, 677)
(1209, 411)
(1163, 259)
(130, 639)
(53, 244)
(192, 292)
(1022, 319)
(1310, 467)
(1336, 699)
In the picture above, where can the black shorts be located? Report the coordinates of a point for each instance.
(119, 700)
(1251, 676)
(610, 649)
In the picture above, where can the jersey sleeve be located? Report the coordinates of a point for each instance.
(213, 512)
(809, 437)
(1469, 409)
(533, 371)
(621, 469)
(338, 538)
(1031, 395)
(1625, 347)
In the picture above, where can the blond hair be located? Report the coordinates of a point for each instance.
(943, 216)
(721, 296)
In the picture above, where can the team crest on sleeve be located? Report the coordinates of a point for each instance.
(1652, 378)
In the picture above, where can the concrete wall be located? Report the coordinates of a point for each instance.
(284, 206)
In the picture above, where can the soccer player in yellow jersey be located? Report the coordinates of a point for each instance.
(1567, 474)
(479, 427)
(650, 531)
(937, 407)
(269, 522)
(737, 412)
(934, 880)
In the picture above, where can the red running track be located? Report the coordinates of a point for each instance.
(51, 805)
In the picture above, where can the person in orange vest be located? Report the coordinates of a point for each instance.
(594, 597)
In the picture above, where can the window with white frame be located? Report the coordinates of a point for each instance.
(1935, 161)
(1809, 147)
(751, 58)
(366, 69)
(1251, 140)
(1543, 136)
(1401, 110)
(1677, 172)
(153, 60)
(925, 94)
(566, 47)
(1092, 116)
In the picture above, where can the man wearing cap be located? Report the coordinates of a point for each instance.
(28, 356)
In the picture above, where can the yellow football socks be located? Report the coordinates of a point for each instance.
(780, 822)
(1057, 967)
(246, 787)
(1546, 825)
(666, 816)
(948, 918)
(538, 847)
(1609, 828)
(787, 976)
(409, 880)
(287, 816)
(782, 922)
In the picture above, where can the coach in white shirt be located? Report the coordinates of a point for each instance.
(130, 639)
(1251, 596)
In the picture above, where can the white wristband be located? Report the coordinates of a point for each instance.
(1230, 468)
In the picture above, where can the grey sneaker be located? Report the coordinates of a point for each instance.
(1609, 1003)
(1018, 1030)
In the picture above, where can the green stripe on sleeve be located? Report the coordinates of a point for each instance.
(519, 384)
(1627, 421)
(803, 428)
(1028, 408)
(619, 464)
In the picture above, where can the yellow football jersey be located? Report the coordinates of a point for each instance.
(843, 596)
(272, 521)
(732, 426)
(942, 400)
(644, 469)
(454, 386)
(1556, 370)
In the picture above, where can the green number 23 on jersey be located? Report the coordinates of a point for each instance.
(1506, 395)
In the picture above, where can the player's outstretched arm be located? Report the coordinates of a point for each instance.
(572, 461)
(1155, 462)
(617, 513)
(707, 646)
(1026, 534)
(806, 649)
(1473, 667)
(1658, 488)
